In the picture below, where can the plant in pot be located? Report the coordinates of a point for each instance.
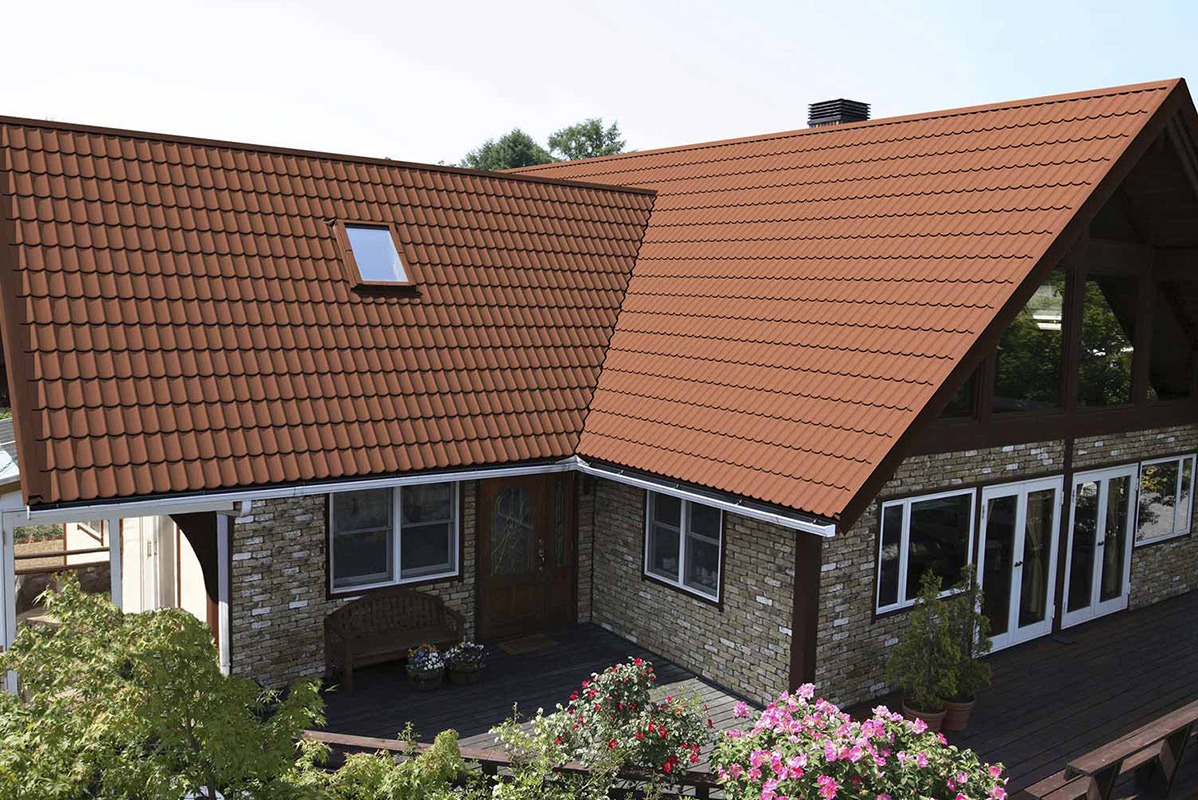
(923, 665)
(465, 662)
(426, 667)
(970, 628)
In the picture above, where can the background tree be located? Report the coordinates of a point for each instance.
(587, 139)
(512, 150)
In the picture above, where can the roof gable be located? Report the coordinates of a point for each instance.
(800, 298)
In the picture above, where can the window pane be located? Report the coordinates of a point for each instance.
(663, 551)
(426, 550)
(513, 536)
(961, 403)
(431, 502)
(939, 540)
(1171, 357)
(666, 509)
(702, 566)
(357, 511)
(362, 558)
(1158, 500)
(705, 521)
(888, 567)
(375, 254)
(1028, 366)
(1187, 485)
(1107, 335)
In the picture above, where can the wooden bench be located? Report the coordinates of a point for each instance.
(1152, 753)
(383, 626)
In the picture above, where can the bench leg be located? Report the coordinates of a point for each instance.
(347, 673)
(1103, 782)
(1156, 776)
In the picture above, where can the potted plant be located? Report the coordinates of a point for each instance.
(970, 629)
(923, 664)
(465, 662)
(426, 667)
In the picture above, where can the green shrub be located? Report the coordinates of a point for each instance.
(924, 662)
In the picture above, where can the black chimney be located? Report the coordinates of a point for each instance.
(837, 112)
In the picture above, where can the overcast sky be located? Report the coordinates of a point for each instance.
(427, 81)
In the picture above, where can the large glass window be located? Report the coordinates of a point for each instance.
(1166, 497)
(682, 544)
(1028, 367)
(1108, 323)
(1171, 353)
(923, 534)
(375, 254)
(368, 548)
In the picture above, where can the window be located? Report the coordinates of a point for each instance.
(1028, 366)
(96, 528)
(922, 534)
(375, 254)
(1108, 320)
(1166, 497)
(1171, 352)
(961, 403)
(682, 544)
(368, 548)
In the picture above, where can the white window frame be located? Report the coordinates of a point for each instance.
(905, 544)
(396, 542)
(1177, 532)
(683, 532)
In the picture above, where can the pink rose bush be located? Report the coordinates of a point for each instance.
(802, 747)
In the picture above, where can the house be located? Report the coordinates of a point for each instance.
(729, 400)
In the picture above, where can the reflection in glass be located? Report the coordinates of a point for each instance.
(1171, 356)
(1085, 529)
(1108, 320)
(961, 403)
(999, 559)
(512, 533)
(665, 521)
(1028, 365)
(938, 540)
(1118, 506)
(1158, 499)
(1037, 548)
(888, 568)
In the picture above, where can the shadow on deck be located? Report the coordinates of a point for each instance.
(383, 702)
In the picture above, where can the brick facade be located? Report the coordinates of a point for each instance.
(278, 579)
(743, 646)
(852, 646)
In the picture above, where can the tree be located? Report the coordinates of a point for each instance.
(134, 705)
(587, 139)
(512, 150)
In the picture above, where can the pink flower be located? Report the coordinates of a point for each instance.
(995, 771)
(919, 726)
(827, 786)
(998, 793)
(740, 710)
(883, 796)
(962, 778)
(921, 760)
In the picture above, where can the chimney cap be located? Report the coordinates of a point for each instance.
(837, 112)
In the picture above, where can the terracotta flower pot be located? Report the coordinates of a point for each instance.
(465, 676)
(425, 681)
(933, 719)
(956, 715)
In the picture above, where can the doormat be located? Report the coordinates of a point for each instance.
(526, 644)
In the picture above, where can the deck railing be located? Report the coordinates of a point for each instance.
(496, 764)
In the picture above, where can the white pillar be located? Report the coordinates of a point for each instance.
(222, 587)
(8, 593)
(114, 559)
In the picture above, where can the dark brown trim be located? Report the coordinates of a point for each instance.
(648, 577)
(804, 627)
(1057, 250)
(346, 594)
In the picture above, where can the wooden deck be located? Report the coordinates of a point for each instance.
(382, 702)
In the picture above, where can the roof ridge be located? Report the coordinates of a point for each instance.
(227, 144)
(1132, 88)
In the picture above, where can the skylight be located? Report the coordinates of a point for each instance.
(375, 254)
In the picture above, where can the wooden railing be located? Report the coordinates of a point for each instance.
(496, 764)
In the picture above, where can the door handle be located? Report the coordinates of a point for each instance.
(1017, 564)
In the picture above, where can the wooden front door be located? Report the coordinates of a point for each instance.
(525, 558)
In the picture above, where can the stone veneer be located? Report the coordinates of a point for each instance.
(278, 582)
(852, 645)
(743, 645)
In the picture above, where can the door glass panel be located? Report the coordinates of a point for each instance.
(512, 533)
(559, 522)
(1118, 504)
(999, 558)
(1085, 528)
(1037, 550)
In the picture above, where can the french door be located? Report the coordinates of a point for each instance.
(1017, 563)
(1098, 562)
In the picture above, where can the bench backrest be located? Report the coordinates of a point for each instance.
(388, 610)
(1137, 740)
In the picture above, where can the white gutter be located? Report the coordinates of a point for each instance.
(793, 522)
(236, 502)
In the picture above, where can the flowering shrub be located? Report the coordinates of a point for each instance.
(425, 661)
(467, 655)
(800, 747)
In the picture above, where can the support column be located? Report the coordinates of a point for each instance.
(8, 593)
(223, 555)
(115, 540)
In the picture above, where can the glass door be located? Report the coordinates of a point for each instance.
(1098, 562)
(1017, 562)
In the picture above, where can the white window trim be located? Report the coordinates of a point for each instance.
(684, 526)
(396, 539)
(905, 545)
(1176, 534)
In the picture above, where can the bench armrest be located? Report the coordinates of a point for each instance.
(457, 621)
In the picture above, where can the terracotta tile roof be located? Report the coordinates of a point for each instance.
(178, 318)
(800, 297)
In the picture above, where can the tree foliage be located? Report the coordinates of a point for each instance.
(134, 705)
(587, 139)
(516, 148)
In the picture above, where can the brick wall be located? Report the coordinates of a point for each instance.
(278, 581)
(745, 646)
(586, 545)
(852, 646)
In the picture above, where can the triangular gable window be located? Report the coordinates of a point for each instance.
(373, 250)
